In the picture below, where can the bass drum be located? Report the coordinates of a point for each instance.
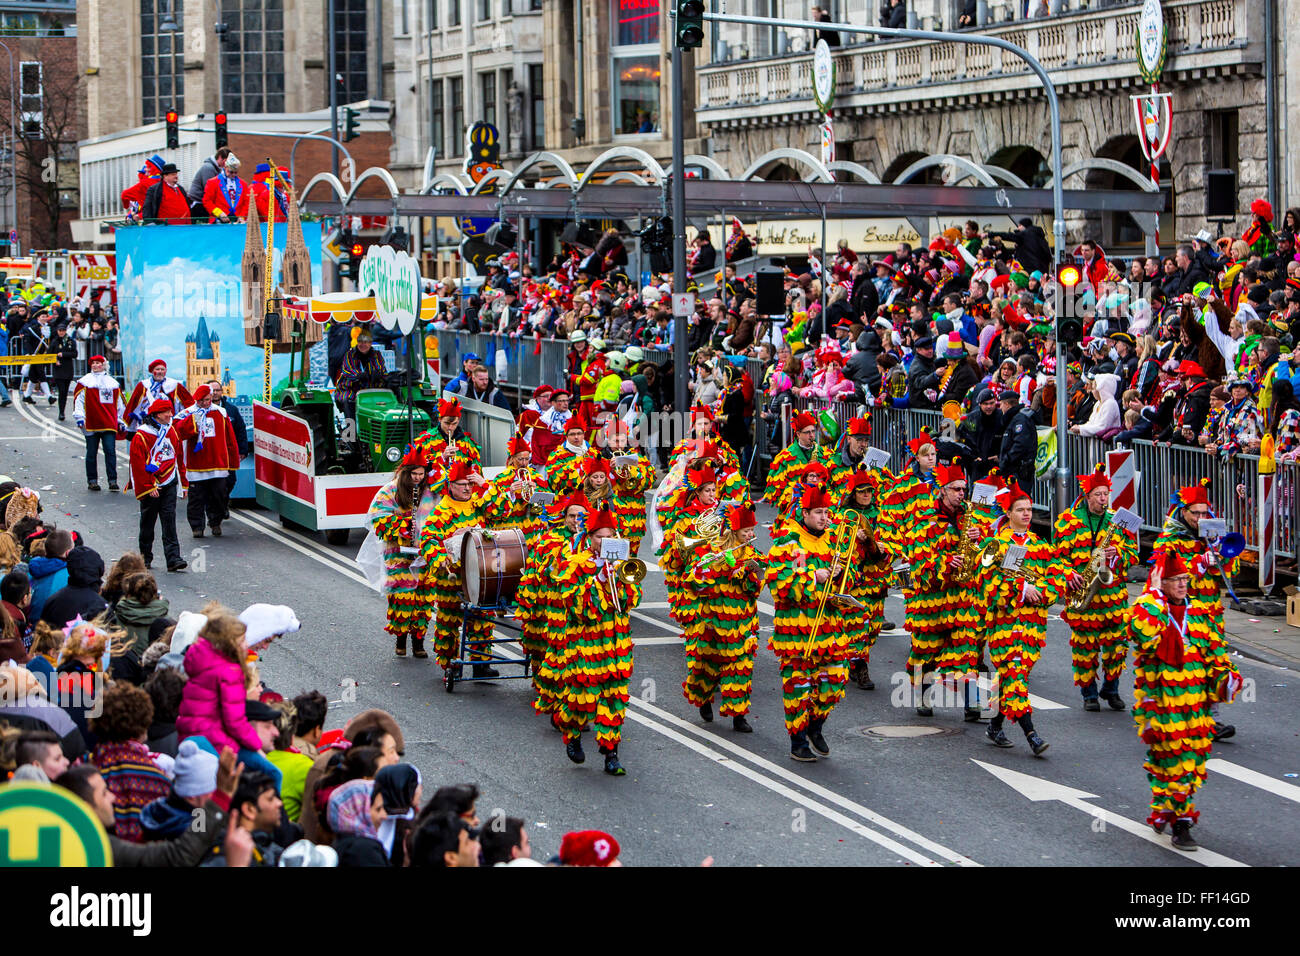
(491, 563)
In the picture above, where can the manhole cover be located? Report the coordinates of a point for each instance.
(903, 731)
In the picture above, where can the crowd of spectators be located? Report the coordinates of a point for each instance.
(162, 722)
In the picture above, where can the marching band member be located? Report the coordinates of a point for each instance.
(1180, 536)
(721, 616)
(704, 429)
(697, 497)
(596, 655)
(1015, 618)
(447, 442)
(941, 616)
(397, 514)
(508, 493)
(541, 609)
(911, 491)
(631, 482)
(812, 475)
(1181, 667)
(792, 457)
(732, 486)
(848, 458)
(461, 507)
(1098, 632)
(149, 390)
(859, 500)
(564, 466)
(597, 482)
(811, 638)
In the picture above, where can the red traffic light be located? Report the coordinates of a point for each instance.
(172, 116)
(1068, 276)
(357, 249)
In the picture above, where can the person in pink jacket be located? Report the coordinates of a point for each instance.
(215, 700)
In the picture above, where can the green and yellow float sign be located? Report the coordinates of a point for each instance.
(41, 825)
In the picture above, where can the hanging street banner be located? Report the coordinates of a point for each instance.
(1152, 41)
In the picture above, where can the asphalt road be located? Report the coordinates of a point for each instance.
(695, 790)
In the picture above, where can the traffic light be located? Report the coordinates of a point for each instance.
(690, 24)
(346, 270)
(1068, 326)
(222, 138)
(351, 124)
(173, 130)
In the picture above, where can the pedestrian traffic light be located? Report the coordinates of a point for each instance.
(690, 24)
(351, 124)
(222, 137)
(173, 130)
(346, 241)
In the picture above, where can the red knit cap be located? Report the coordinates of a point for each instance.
(740, 518)
(860, 427)
(815, 498)
(602, 519)
(415, 457)
(517, 446)
(155, 363)
(947, 474)
(461, 471)
(1094, 480)
(449, 408)
(699, 477)
(588, 848)
(595, 463)
(801, 421)
(919, 442)
(159, 405)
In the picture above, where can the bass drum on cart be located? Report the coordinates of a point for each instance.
(491, 563)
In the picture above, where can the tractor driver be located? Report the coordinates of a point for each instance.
(362, 368)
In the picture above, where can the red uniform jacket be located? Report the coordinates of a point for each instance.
(261, 196)
(219, 451)
(143, 394)
(217, 202)
(135, 192)
(165, 456)
(97, 403)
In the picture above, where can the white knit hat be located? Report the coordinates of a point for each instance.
(265, 621)
(195, 771)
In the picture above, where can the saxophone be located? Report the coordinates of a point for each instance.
(1096, 574)
(969, 552)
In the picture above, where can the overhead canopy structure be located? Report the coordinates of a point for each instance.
(344, 307)
(570, 198)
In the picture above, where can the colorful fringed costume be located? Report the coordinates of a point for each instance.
(1015, 630)
(814, 667)
(720, 617)
(410, 597)
(1181, 666)
(631, 483)
(1176, 538)
(434, 444)
(942, 618)
(876, 572)
(442, 570)
(542, 612)
(787, 463)
(1098, 632)
(564, 468)
(506, 508)
(594, 655)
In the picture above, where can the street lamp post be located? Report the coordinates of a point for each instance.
(13, 145)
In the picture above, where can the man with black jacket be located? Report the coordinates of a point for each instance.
(864, 299)
(861, 367)
(922, 368)
(1032, 250)
(1194, 405)
(1019, 450)
(165, 200)
(981, 435)
(65, 347)
(1190, 271)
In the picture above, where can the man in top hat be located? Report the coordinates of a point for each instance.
(211, 454)
(158, 477)
(166, 200)
(1182, 668)
(149, 390)
(98, 410)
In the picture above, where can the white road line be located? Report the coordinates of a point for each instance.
(781, 790)
(23, 438)
(937, 849)
(672, 628)
(1254, 778)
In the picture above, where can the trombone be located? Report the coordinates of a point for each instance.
(843, 540)
(629, 571)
